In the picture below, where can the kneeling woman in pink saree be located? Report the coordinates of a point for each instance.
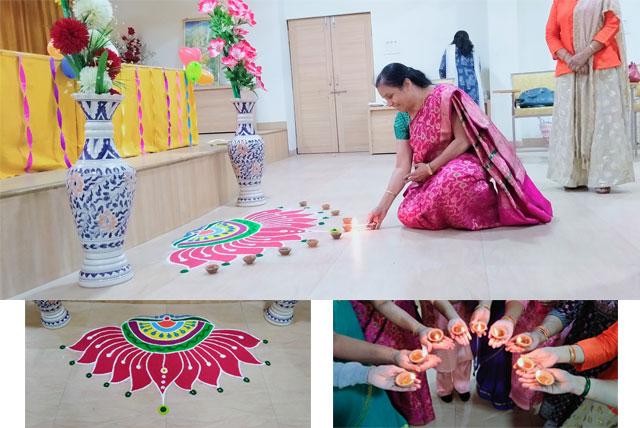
(463, 173)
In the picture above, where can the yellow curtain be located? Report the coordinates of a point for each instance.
(47, 150)
(26, 23)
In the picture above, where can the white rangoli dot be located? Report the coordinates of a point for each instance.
(208, 364)
(223, 356)
(234, 347)
(138, 367)
(161, 381)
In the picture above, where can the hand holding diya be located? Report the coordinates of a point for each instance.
(544, 377)
(500, 332)
(435, 335)
(479, 328)
(405, 379)
(525, 364)
(459, 331)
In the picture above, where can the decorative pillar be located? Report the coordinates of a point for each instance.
(52, 314)
(280, 312)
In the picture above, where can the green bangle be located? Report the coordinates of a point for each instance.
(587, 387)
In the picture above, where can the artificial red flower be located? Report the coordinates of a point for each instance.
(113, 62)
(113, 92)
(131, 31)
(69, 36)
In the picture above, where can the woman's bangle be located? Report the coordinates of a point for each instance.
(545, 331)
(572, 354)
(587, 387)
(428, 164)
(482, 305)
(390, 192)
(508, 318)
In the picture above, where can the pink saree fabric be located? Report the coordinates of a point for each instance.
(461, 194)
(415, 406)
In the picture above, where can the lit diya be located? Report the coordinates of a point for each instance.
(459, 329)
(212, 268)
(312, 243)
(285, 251)
(479, 327)
(249, 259)
(346, 227)
(405, 379)
(544, 377)
(526, 364)
(417, 356)
(498, 332)
(524, 340)
(347, 220)
(326, 206)
(335, 233)
(435, 335)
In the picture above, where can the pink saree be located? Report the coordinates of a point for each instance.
(462, 194)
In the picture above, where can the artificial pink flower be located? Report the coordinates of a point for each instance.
(215, 47)
(252, 68)
(238, 52)
(238, 31)
(229, 61)
(207, 6)
(241, 11)
(260, 84)
(250, 51)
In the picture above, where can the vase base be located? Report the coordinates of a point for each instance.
(105, 279)
(250, 202)
(275, 320)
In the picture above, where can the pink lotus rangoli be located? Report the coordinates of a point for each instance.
(166, 350)
(223, 241)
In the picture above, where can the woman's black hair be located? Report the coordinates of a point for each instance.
(394, 74)
(463, 43)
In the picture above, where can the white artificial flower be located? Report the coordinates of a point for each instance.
(95, 13)
(88, 77)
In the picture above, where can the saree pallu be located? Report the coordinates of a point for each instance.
(415, 407)
(360, 405)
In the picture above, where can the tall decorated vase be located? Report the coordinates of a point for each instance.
(246, 152)
(100, 187)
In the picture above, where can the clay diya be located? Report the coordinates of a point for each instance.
(285, 251)
(544, 377)
(459, 329)
(326, 206)
(417, 356)
(346, 227)
(212, 268)
(347, 220)
(498, 332)
(435, 335)
(479, 327)
(303, 203)
(405, 379)
(335, 233)
(335, 212)
(249, 259)
(525, 363)
(312, 243)
(524, 340)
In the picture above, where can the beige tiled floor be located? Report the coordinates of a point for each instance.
(59, 395)
(476, 412)
(591, 249)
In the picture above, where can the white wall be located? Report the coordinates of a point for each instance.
(508, 35)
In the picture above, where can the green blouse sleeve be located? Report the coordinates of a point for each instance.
(401, 126)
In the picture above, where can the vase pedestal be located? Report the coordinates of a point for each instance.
(53, 314)
(280, 312)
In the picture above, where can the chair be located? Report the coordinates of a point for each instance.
(521, 82)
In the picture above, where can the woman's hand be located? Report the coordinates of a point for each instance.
(375, 217)
(507, 326)
(423, 335)
(384, 377)
(543, 357)
(514, 348)
(481, 314)
(401, 358)
(577, 61)
(564, 382)
(463, 338)
(420, 173)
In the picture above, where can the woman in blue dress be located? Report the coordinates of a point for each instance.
(460, 64)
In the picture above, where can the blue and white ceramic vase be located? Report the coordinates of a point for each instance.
(246, 152)
(100, 187)
(52, 314)
(280, 312)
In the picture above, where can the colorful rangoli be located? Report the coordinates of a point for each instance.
(223, 241)
(166, 350)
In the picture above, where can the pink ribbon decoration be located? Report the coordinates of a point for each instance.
(140, 127)
(26, 113)
(56, 95)
(179, 105)
(166, 90)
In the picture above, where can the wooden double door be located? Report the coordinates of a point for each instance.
(332, 72)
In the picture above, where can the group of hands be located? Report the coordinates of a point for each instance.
(544, 358)
(419, 174)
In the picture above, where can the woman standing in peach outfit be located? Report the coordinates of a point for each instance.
(590, 143)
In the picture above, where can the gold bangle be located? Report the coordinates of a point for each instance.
(572, 354)
(508, 318)
(428, 164)
(390, 192)
(545, 331)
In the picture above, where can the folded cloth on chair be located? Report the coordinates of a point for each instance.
(536, 97)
